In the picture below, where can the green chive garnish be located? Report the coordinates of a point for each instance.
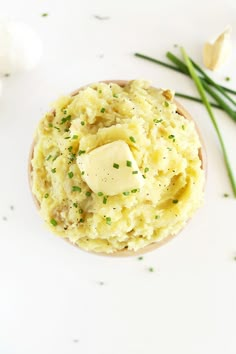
(115, 95)
(157, 120)
(226, 195)
(115, 165)
(134, 190)
(75, 205)
(108, 221)
(44, 14)
(88, 194)
(134, 172)
(100, 194)
(65, 119)
(171, 136)
(151, 269)
(81, 220)
(166, 104)
(54, 170)
(81, 211)
(81, 152)
(82, 173)
(104, 200)
(50, 125)
(126, 193)
(75, 137)
(175, 201)
(183, 127)
(146, 169)
(131, 138)
(53, 222)
(46, 195)
(48, 158)
(82, 123)
(70, 174)
(76, 189)
(102, 110)
(140, 258)
(129, 163)
(157, 217)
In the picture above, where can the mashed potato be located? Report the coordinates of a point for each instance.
(164, 144)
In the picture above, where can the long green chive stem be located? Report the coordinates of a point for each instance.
(202, 93)
(196, 99)
(172, 67)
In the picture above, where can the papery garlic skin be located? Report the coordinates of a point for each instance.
(20, 47)
(216, 54)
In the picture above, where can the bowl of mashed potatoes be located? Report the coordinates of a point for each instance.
(117, 167)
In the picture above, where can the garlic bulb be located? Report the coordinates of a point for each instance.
(215, 54)
(20, 47)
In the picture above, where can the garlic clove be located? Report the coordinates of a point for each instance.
(216, 54)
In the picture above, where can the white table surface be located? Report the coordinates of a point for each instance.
(51, 299)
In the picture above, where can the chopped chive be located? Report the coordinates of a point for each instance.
(157, 120)
(76, 189)
(75, 205)
(75, 137)
(55, 157)
(151, 269)
(146, 169)
(115, 95)
(131, 138)
(82, 122)
(88, 194)
(157, 217)
(50, 125)
(104, 200)
(168, 148)
(183, 127)
(65, 119)
(100, 194)
(166, 104)
(134, 172)
(171, 136)
(108, 221)
(126, 193)
(175, 201)
(140, 258)
(99, 91)
(81, 152)
(48, 158)
(81, 220)
(226, 195)
(57, 128)
(115, 165)
(70, 148)
(227, 78)
(144, 176)
(129, 163)
(70, 174)
(46, 195)
(67, 137)
(66, 130)
(82, 173)
(134, 190)
(81, 211)
(44, 14)
(53, 170)
(53, 222)
(102, 110)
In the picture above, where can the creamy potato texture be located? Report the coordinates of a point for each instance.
(164, 144)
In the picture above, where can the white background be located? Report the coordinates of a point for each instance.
(51, 300)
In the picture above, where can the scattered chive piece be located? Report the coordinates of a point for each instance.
(126, 193)
(227, 78)
(100, 194)
(171, 136)
(75, 205)
(108, 221)
(166, 104)
(65, 119)
(183, 127)
(115, 95)
(66, 130)
(151, 269)
(82, 123)
(146, 169)
(131, 138)
(50, 125)
(226, 195)
(157, 217)
(46, 195)
(175, 201)
(134, 172)
(48, 158)
(70, 148)
(88, 194)
(82, 173)
(67, 137)
(75, 137)
(53, 222)
(55, 157)
(169, 149)
(70, 174)
(129, 163)
(44, 14)
(100, 91)
(104, 200)
(202, 93)
(157, 120)
(102, 110)
(115, 165)
(134, 190)
(57, 128)
(81, 220)
(81, 211)
(54, 170)
(140, 258)
(81, 152)
(144, 176)
(76, 189)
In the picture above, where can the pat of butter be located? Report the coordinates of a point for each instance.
(111, 169)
